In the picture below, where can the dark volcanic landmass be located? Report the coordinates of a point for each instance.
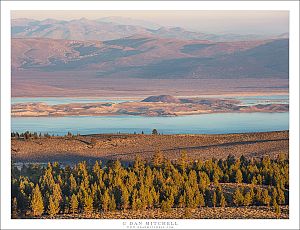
(162, 98)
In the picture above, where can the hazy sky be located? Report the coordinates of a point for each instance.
(242, 22)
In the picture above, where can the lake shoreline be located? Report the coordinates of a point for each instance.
(153, 106)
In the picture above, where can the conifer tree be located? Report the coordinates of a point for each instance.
(238, 197)
(214, 199)
(73, 184)
(105, 201)
(112, 203)
(14, 208)
(281, 197)
(37, 205)
(258, 196)
(53, 207)
(125, 199)
(183, 160)
(165, 206)
(238, 176)
(158, 159)
(182, 201)
(222, 201)
(276, 208)
(247, 199)
(88, 205)
(265, 197)
(74, 204)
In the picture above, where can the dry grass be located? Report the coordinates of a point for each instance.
(251, 212)
(127, 147)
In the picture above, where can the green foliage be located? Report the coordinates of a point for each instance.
(238, 176)
(162, 183)
(266, 199)
(238, 198)
(74, 204)
(154, 132)
(248, 199)
(53, 207)
(222, 201)
(88, 205)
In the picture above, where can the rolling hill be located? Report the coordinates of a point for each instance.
(153, 57)
(120, 57)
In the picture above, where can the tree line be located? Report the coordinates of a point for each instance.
(93, 188)
(34, 135)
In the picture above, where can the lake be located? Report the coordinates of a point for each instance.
(205, 123)
(197, 124)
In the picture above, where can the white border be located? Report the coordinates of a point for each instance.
(293, 7)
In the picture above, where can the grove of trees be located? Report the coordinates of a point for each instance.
(94, 188)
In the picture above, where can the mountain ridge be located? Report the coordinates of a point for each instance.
(109, 29)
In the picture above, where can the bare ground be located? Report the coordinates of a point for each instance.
(251, 212)
(126, 147)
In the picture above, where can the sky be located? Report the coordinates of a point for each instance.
(238, 21)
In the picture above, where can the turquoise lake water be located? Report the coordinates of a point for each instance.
(197, 124)
(205, 123)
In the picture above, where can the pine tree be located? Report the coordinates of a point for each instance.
(112, 203)
(238, 176)
(88, 205)
(105, 201)
(181, 201)
(37, 205)
(125, 199)
(247, 199)
(214, 199)
(265, 197)
(14, 208)
(73, 184)
(238, 197)
(165, 206)
(74, 204)
(276, 208)
(183, 160)
(154, 132)
(222, 201)
(53, 207)
(281, 197)
(158, 159)
(258, 197)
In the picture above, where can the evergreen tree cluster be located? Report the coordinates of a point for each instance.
(34, 135)
(163, 184)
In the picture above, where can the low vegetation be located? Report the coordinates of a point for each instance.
(159, 187)
(73, 148)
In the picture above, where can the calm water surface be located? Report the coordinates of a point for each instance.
(206, 123)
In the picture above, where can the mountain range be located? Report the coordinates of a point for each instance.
(55, 55)
(110, 28)
(153, 57)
